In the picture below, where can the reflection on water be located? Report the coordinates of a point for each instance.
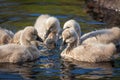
(16, 14)
(87, 70)
(51, 68)
(13, 71)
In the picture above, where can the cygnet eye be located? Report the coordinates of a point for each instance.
(51, 42)
(68, 37)
(66, 27)
(34, 33)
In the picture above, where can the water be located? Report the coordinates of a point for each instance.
(17, 14)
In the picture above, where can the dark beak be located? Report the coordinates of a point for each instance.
(63, 45)
(48, 32)
(39, 39)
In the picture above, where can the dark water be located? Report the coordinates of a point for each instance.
(107, 11)
(17, 14)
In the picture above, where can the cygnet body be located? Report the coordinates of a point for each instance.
(102, 36)
(15, 53)
(92, 52)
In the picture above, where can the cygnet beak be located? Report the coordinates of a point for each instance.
(50, 44)
(39, 39)
(63, 45)
(48, 32)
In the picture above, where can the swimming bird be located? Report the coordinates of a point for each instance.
(5, 36)
(31, 36)
(102, 36)
(27, 51)
(92, 52)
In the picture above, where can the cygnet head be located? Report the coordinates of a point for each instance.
(50, 41)
(52, 24)
(16, 37)
(73, 24)
(70, 37)
(29, 34)
(116, 30)
(6, 36)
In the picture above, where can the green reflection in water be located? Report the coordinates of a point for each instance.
(22, 9)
